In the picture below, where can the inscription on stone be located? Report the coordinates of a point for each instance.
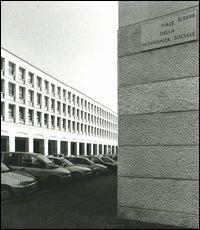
(169, 31)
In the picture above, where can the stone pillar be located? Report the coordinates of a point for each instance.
(58, 147)
(115, 150)
(46, 147)
(85, 148)
(102, 149)
(12, 143)
(78, 148)
(69, 148)
(158, 112)
(30, 144)
(92, 149)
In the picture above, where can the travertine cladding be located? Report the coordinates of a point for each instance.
(159, 216)
(129, 37)
(172, 62)
(160, 194)
(166, 96)
(159, 8)
(158, 93)
(177, 128)
(142, 10)
(178, 162)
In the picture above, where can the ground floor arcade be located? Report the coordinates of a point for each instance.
(54, 147)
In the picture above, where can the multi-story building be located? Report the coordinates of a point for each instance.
(44, 115)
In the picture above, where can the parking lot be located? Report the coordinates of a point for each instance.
(84, 204)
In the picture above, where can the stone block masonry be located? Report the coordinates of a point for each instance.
(158, 108)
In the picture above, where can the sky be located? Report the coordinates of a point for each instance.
(74, 41)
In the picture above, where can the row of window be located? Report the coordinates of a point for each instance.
(55, 107)
(50, 88)
(50, 121)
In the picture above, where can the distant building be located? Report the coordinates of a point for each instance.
(42, 114)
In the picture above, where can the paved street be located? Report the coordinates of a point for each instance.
(86, 204)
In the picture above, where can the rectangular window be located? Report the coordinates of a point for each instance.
(21, 73)
(78, 113)
(46, 118)
(64, 123)
(64, 108)
(3, 65)
(73, 112)
(30, 96)
(73, 98)
(11, 68)
(39, 96)
(38, 117)
(69, 110)
(11, 111)
(53, 89)
(69, 125)
(2, 109)
(73, 125)
(30, 78)
(21, 113)
(21, 93)
(11, 89)
(58, 122)
(59, 92)
(30, 115)
(53, 121)
(52, 104)
(2, 86)
(46, 102)
(78, 101)
(46, 86)
(58, 106)
(69, 97)
(39, 83)
(64, 94)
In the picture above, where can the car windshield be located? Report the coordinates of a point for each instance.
(4, 168)
(46, 159)
(107, 159)
(66, 162)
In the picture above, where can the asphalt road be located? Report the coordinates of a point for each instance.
(86, 204)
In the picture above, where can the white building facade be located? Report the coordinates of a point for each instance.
(43, 115)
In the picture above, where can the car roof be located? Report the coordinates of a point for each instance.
(59, 158)
(23, 152)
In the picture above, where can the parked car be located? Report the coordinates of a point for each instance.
(97, 169)
(14, 182)
(37, 165)
(106, 161)
(77, 172)
(111, 156)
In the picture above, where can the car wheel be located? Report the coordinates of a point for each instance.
(76, 176)
(6, 193)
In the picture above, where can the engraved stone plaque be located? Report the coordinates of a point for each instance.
(169, 31)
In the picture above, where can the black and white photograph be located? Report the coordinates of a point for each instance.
(99, 114)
